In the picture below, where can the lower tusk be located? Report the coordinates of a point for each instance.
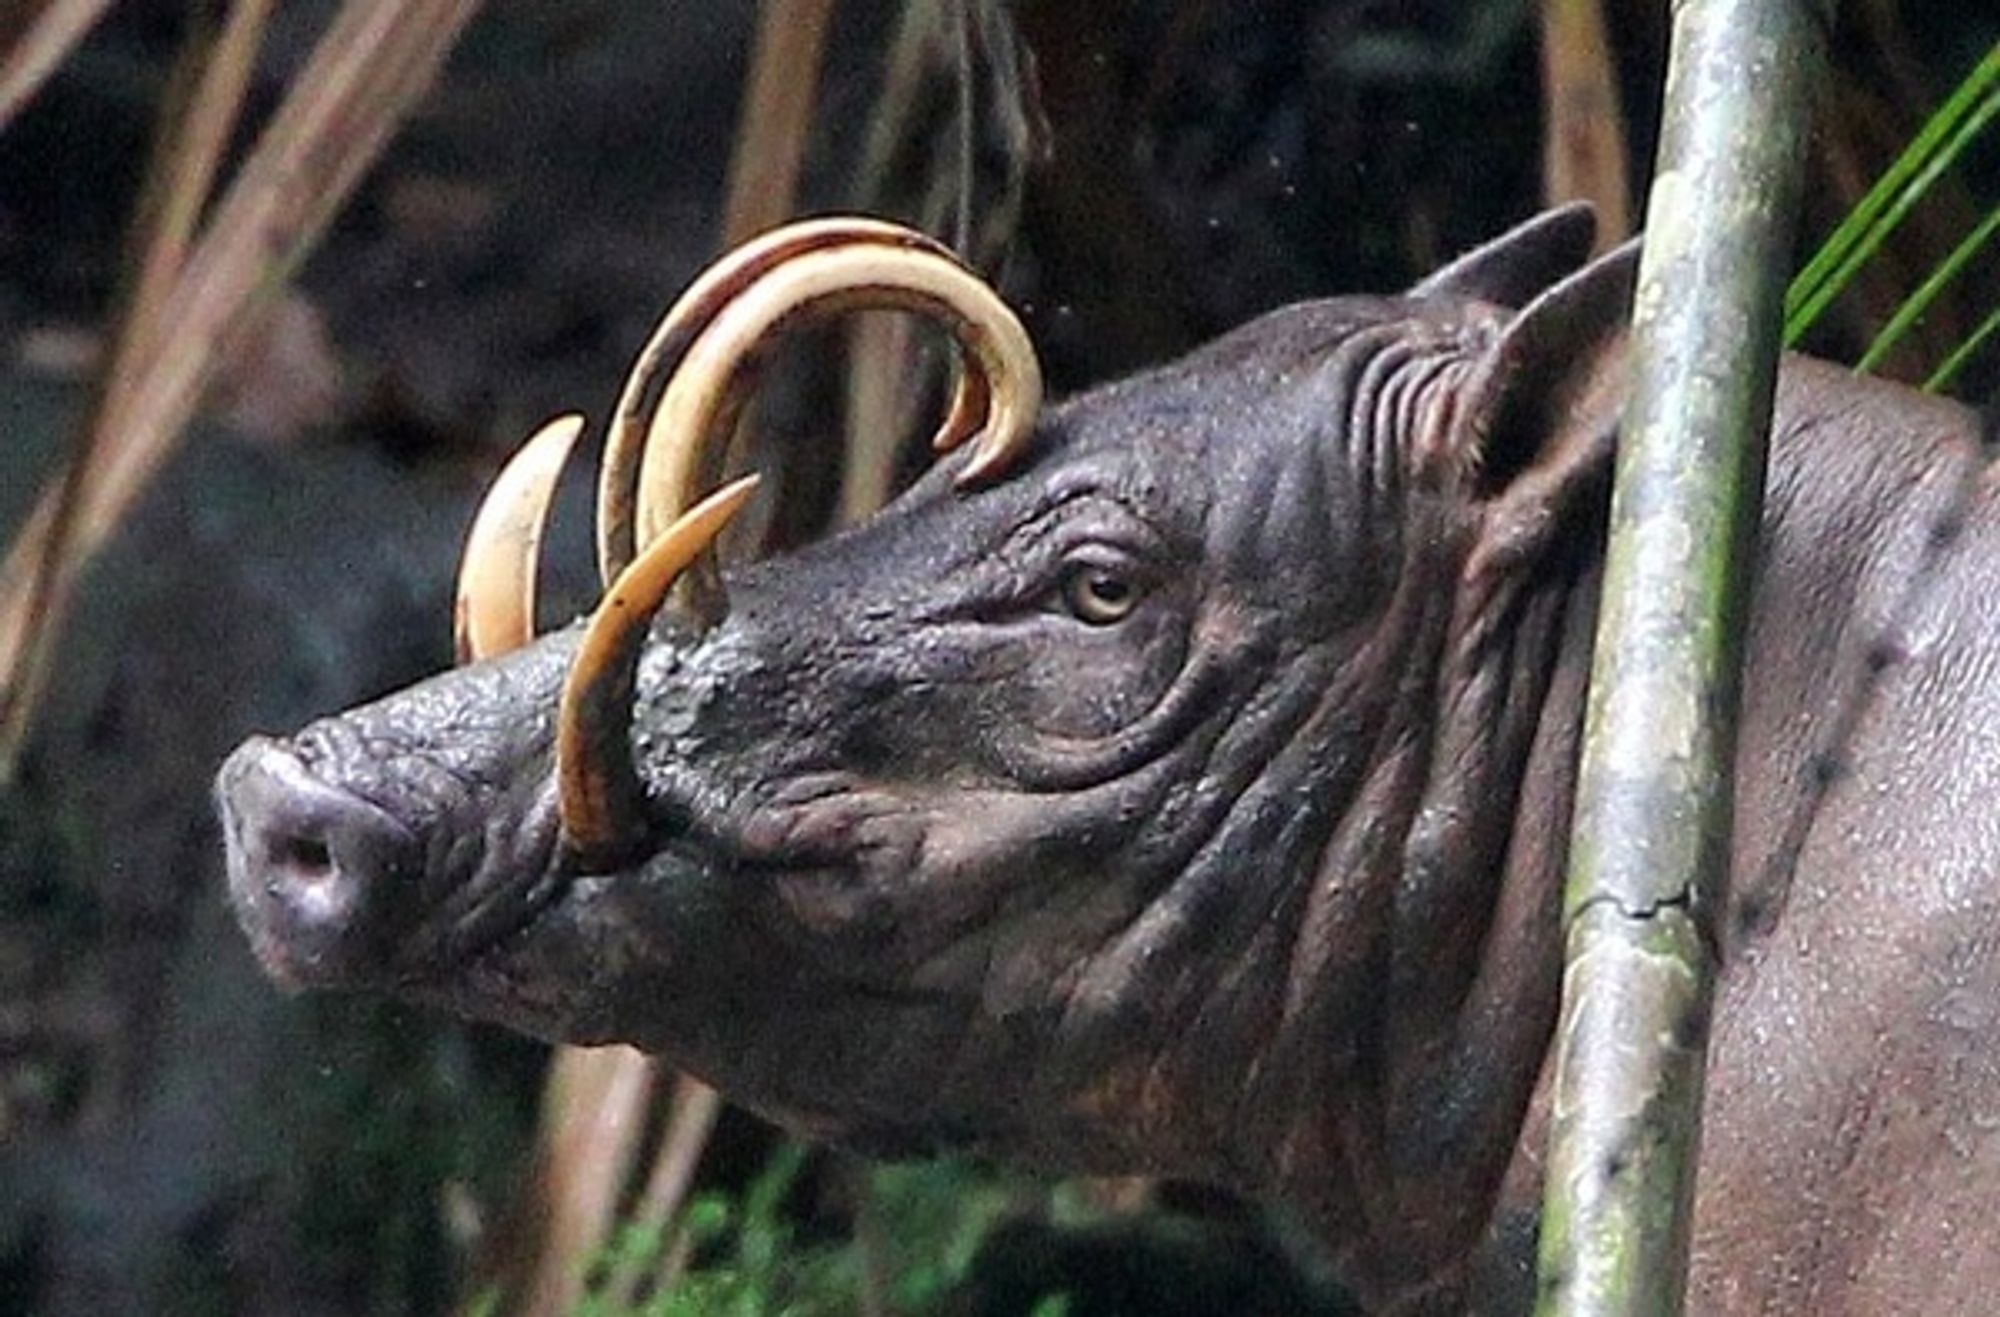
(602, 801)
(495, 609)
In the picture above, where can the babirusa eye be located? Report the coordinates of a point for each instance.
(1098, 594)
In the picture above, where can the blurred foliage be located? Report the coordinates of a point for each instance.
(376, 1112)
(815, 1235)
(751, 1255)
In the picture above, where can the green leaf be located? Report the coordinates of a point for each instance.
(1917, 303)
(1941, 378)
(1960, 119)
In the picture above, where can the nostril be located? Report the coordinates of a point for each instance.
(313, 867)
(301, 859)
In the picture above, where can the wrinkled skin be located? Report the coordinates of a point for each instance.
(1192, 801)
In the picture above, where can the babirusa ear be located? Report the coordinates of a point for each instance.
(1536, 427)
(1518, 265)
(1550, 386)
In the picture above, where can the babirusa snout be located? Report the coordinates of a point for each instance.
(313, 866)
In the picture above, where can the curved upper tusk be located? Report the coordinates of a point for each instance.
(690, 314)
(495, 607)
(602, 801)
(971, 399)
(706, 394)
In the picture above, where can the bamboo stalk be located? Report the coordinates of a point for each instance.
(1650, 851)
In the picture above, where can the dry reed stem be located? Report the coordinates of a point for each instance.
(1584, 136)
(45, 41)
(186, 169)
(368, 69)
(593, 1115)
(204, 97)
(694, 1109)
(777, 116)
(773, 129)
(204, 93)
(879, 407)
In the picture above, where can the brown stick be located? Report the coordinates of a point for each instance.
(593, 1114)
(1584, 136)
(776, 120)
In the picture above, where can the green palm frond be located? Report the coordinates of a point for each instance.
(1963, 116)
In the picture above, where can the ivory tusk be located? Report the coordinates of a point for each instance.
(706, 394)
(690, 314)
(602, 800)
(495, 607)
